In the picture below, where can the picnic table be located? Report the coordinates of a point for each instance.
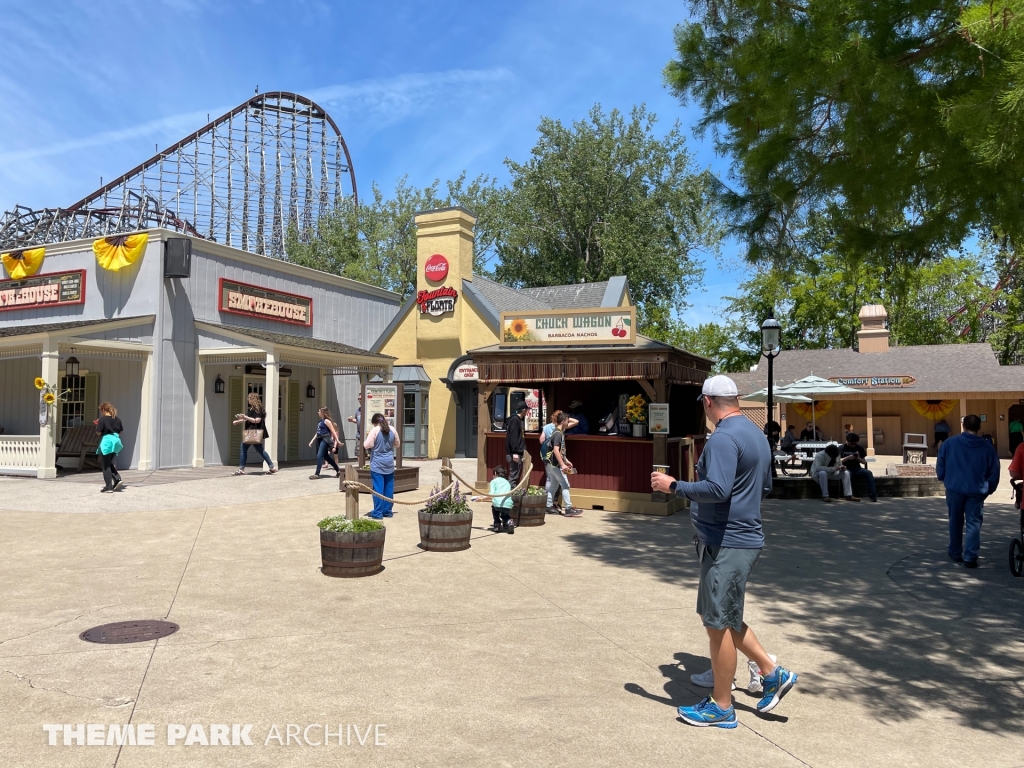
(798, 464)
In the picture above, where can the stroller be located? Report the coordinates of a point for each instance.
(1017, 544)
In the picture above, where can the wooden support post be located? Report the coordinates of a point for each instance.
(351, 494)
(446, 472)
(660, 447)
(871, 426)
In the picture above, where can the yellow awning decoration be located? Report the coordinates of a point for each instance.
(22, 264)
(821, 407)
(934, 409)
(119, 251)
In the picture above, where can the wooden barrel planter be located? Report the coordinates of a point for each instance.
(351, 555)
(529, 511)
(445, 533)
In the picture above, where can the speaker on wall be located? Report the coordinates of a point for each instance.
(177, 257)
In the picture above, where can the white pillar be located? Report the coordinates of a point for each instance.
(963, 409)
(199, 415)
(48, 434)
(272, 389)
(147, 461)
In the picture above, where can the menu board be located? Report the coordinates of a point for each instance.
(380, 398)
(657, 418)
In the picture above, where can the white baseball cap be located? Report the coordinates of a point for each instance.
(719, 386)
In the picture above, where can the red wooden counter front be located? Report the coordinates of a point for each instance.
(603, 463)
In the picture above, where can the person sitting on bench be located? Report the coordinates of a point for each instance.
(854, 458)
(826, 465)
(789, 440)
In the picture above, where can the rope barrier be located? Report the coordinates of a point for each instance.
(353, 485)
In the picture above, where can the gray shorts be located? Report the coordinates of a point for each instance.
(723, 585)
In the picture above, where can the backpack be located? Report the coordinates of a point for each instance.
(547, 451)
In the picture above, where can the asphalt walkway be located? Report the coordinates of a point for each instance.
(565, 645)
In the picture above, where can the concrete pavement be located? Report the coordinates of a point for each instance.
(565, 645)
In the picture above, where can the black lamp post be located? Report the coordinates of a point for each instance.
(771, 345)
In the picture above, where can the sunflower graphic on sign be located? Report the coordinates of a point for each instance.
(518, 330)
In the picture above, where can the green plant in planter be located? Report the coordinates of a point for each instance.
(341, 524)
(455, 503)
(535, 490)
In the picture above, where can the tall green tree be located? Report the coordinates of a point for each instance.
(606, 196)
(886, 116)
(375, 241)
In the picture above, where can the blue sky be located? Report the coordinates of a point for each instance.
(88, 89)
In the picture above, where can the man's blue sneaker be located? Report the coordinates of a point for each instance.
(707, 713)
(776, 685)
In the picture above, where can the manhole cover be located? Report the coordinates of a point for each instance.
(129, 632)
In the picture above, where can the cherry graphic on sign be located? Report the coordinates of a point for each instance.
(619, 330)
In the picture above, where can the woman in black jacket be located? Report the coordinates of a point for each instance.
(109, 424)
(255, 417)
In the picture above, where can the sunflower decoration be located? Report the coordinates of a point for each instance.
(114, 253)
(934, 409)
(821, 407)
(636, 409)
(49, 398)
(40, 382)
(23, 263)
(518, 330)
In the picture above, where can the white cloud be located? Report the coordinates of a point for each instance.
(383, 100)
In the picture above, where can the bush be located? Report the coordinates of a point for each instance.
(341, 524)
(535, 490)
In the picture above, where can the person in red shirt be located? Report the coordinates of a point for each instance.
(1017, 470)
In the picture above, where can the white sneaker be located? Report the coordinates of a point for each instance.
(707, 680)
(755, 674)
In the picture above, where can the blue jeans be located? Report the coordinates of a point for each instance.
(259, 449)
(964, 507)
(861, 472)
(323, 451)
(384, 485)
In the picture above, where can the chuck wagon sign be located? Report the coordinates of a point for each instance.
(568, 326)
(253, 301)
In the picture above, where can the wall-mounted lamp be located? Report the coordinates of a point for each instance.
(218, 385)
(311, 391)
(71, 366)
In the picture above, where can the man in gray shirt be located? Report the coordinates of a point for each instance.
(734, 473)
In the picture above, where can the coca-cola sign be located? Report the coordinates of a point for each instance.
(436, 268)
(438, 301)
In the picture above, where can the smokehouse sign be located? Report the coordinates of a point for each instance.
(51, 290)
(251, 300)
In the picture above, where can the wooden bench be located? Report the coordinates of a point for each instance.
(79, 443)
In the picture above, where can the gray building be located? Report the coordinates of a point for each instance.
(177, 355)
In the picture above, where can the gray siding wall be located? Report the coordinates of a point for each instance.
(19, 398)
(120, 383)
(217, 424)
(108, 295)
(339, 314)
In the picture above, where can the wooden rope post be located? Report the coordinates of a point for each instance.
(446, 472)
(351, 494)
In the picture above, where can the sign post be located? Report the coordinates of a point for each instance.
(386, 399)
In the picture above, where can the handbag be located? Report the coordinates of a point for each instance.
(252, 436)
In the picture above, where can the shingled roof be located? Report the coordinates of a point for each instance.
(937, 368)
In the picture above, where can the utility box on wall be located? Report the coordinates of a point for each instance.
(178, 257)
